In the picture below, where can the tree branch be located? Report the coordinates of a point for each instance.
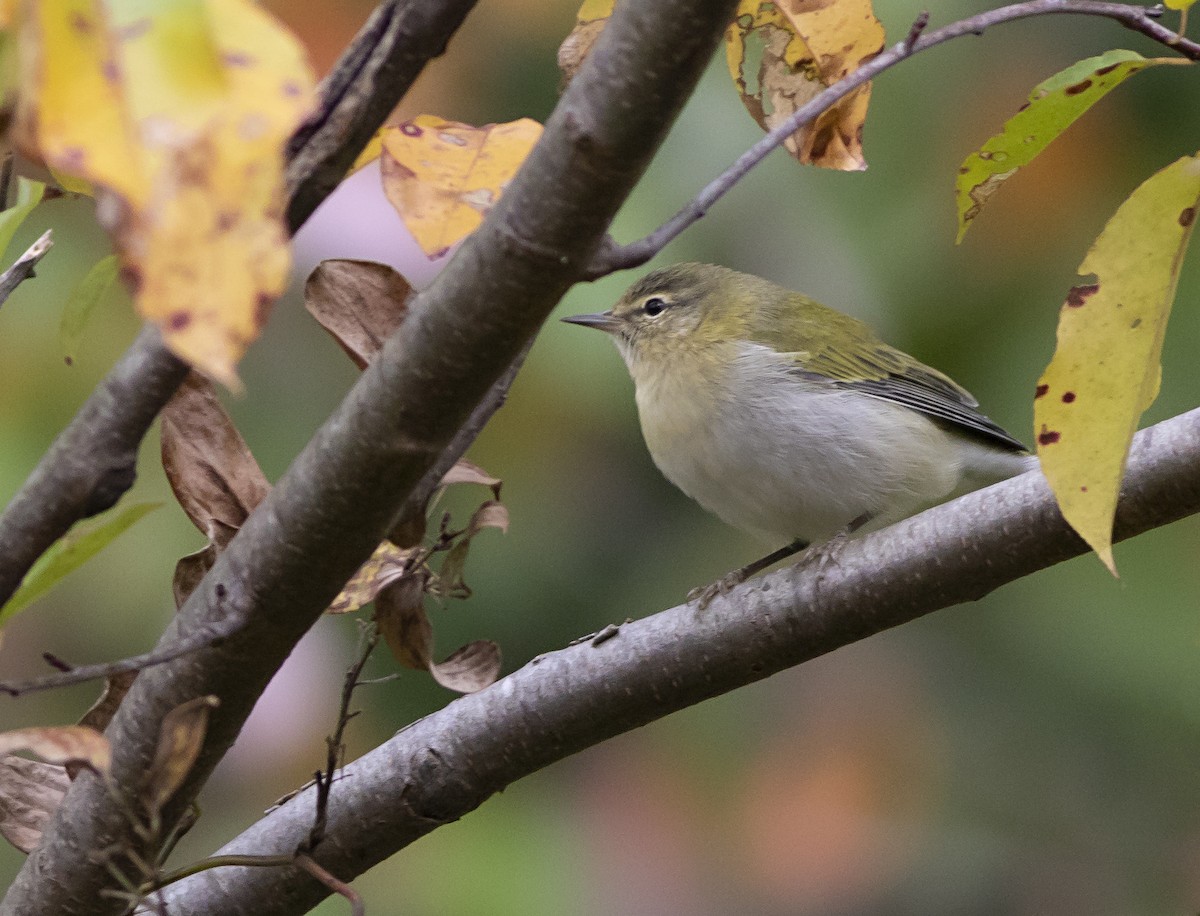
(447, 764)
(1138, 18)
(94, 460)
(333, 506)
(22, 268)
(208, 636)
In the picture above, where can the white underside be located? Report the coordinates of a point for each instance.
(799, 460)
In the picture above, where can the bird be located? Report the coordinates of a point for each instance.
(788, 419)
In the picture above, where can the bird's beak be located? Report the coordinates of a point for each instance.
(603, 321)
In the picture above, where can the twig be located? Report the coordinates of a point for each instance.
(335, 743)
(338, 887)
(919, 25)
(206, 636)
(1138, 18)
(22, 268)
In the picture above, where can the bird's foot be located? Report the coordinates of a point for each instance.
(703, 595)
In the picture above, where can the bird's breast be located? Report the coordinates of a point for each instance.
(781, 457)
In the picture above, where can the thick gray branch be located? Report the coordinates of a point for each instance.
(447, 764)
(344, 491)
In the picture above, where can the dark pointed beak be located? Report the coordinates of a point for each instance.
(603, 321)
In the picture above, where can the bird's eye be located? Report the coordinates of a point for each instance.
(654, 306)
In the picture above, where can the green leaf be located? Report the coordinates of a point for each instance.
(70, 552)
(29, 195)
(1053, 106)
(84, 299)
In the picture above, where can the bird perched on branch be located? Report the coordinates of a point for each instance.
(788, 419)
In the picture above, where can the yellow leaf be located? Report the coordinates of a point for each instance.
(1105, 371)
(372, 151)
(782, 54)
(181, 110)
(443, 176)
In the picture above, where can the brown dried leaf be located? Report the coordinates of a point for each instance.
(409, 531)
(360, 303)
(209, 466)
(465, 471)
(401, 618)
(190, 570)
(387, 564)
(470, 668)
(179, 741)
(61, 744)
(102, 711)
(30, 793)
(490, 514)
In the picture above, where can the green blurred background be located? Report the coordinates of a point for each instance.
(1037, 752)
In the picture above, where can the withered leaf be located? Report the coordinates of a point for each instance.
(401, 618)
(470, 668)
(208, 464)
(387, 564)
(60, 744)
(30, 793)
(179, 741)
(465, 471)
(215, 478)
(102, 711)
(360, 303)
(490, 514)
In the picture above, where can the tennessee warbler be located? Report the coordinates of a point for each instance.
(788, 419)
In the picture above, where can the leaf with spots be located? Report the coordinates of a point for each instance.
(1105, 371)
(443, 177)
(782, 54)
(177, 113)
(1053, 106)
(590, 21)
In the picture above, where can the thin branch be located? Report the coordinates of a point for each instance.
(615, 257)
(93, 461)
(209, 635)
(331, 882)
(335, 746)
(22, 268)
(447, 764)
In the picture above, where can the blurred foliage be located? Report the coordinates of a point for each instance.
(1031, 753)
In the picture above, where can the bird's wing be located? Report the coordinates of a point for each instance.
(886, 373)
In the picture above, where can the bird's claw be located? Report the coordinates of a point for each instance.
(703, 595)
